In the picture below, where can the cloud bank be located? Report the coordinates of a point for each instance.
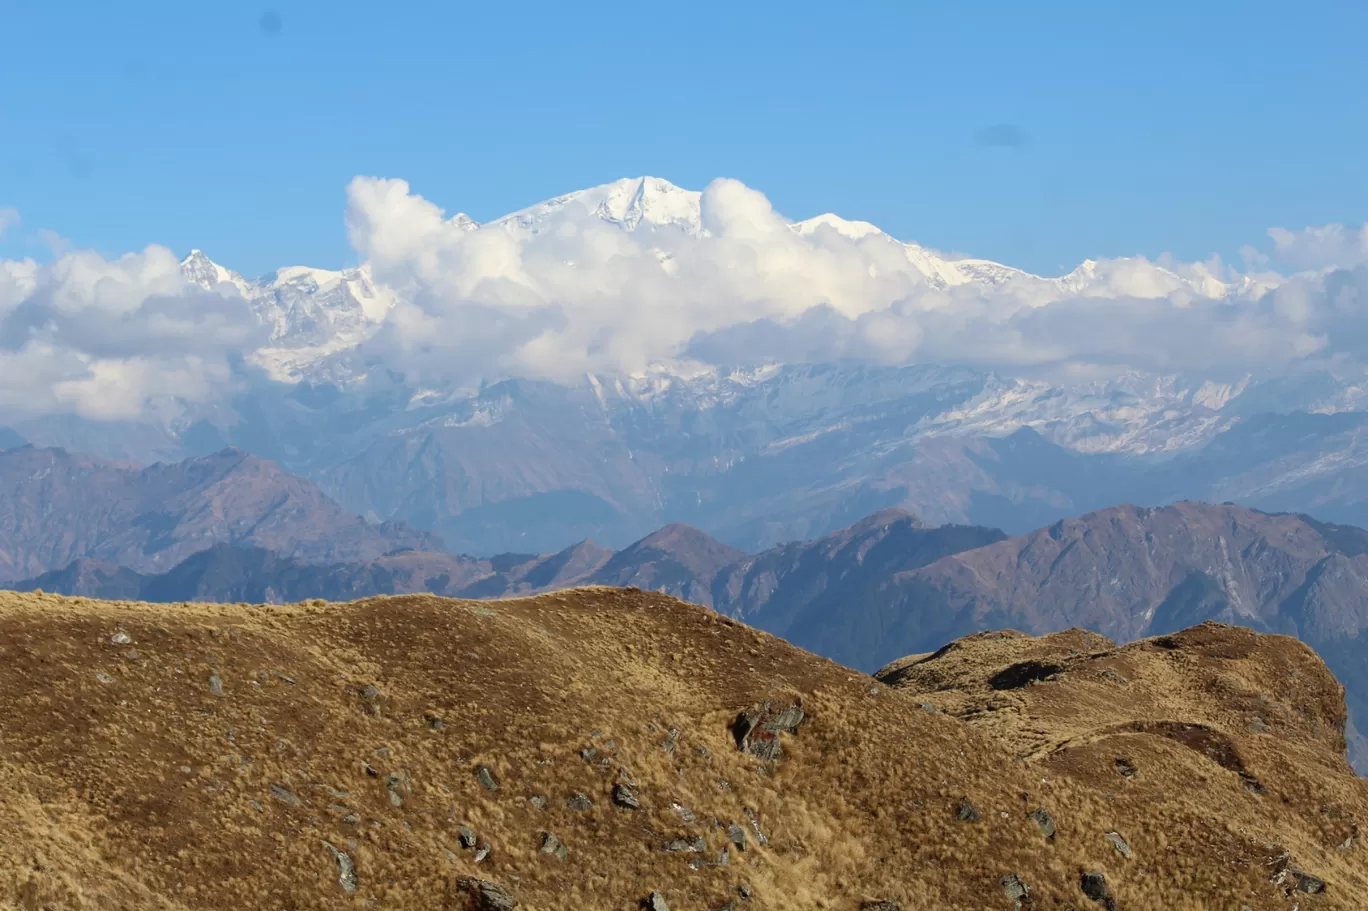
(634, 274)
(115, 339)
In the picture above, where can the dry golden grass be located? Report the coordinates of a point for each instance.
(139, 774)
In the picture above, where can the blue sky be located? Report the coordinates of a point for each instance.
(1035, 134)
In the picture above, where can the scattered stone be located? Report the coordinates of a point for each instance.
(1120, 845)
(684, 813)
(553, 845)
(882, 905)
(121, 638)
(435, 722)
(1114, 677)
(215, 685)
(744, 891)
(655, 902)
(695, 845)
(482, 851)
(1257, 725)
(967, 812)
(588, 754)
(1044, 821)
(467, 836)
(668, 744)
(103, 677)
(285, 795)
(256, 805)
(1124, 767)
(1348, 843)
(346, 869)
(928, 708)
(486, 779)
(1095, 886)
(755, 825)
(703, 751)
(579, 802)
(538, 801)
(487, 896)
(625, 797)
(397, 784)
(1015, 889)
(737, 836)
(757, 730)
(1309, 884)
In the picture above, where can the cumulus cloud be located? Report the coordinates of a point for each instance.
(565, 293)
(639, 273)
(111, 339)
(1324, 247)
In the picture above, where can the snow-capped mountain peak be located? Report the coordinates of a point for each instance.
(630, 203)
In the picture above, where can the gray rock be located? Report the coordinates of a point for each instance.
(625, 797)
(588, 754)
(1044, 821)
(486, 779)
(882, 905)
(538, 801)
(695, 845)
(1120, 845)
(744, 891)
(737, 836)
(754, 818)
(1309, 884)
(1124, 767)
(285, 795)
(216, 684)
(552, 845)
(758, 730)
(482, 851)
(967, 812)
(435, 722)
(668, 744)
(467, 836)
(685, 814)
(1095, 886)
(655, 902)
(121, 638)
(346, 869)
(1014, 888)
(579, 802)
(487, 896)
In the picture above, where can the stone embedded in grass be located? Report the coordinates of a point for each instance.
(552, 845)
(757, 730)
(686, 845)
(215, 685)
(467, 836)
(486, 779)
(685, 814)
(1094, 885)
(121, 638)
(1120, 845)
(538, 801)
(625, 797)
(346, 869)
(881, 905)
(579, 802)
(1044, 821)
(967, 812)
(487, 896)
(1015, 889)
(285, 795)
(737, 836)
(1309, 884)
(482, 850)
(655, 902)
(755, 825)
(671, 739)
(1124, 767)
(588, 754)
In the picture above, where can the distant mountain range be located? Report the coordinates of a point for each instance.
(756, 453)
(884, 587)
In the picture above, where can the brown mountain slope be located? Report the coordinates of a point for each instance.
(328, 756)
(56, 507)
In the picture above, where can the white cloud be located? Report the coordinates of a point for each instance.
(9, 217)
(578, 294)
(112, 339)
(1324, 247)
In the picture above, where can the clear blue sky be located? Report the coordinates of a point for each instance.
(1033, 133)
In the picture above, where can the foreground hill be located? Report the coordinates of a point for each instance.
(585, 750)
(57, 507)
